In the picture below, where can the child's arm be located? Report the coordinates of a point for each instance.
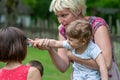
(55, 43)
(50, 43)
(102, 67)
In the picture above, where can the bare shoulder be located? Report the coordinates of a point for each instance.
(33, 74)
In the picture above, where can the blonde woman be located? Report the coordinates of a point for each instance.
(68, 11)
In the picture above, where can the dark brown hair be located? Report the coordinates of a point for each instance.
(79, 30)
(38, 65)
(13, 44)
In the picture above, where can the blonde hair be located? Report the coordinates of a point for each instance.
(75, 6)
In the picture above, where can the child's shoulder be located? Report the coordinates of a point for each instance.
(33, 72)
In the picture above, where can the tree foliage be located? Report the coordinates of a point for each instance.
(40, 8)
(103, 3)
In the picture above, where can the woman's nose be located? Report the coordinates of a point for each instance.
(60, 20)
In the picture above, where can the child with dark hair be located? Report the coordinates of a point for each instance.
(38, 65)
(13, 50)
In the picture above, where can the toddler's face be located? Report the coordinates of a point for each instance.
(74, 43)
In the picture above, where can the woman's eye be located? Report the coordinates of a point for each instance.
(64, 15)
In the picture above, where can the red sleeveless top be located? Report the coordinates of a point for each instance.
(19, 73)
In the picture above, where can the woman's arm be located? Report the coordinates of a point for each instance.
(102, 39)
(102, 67)
(60, 58)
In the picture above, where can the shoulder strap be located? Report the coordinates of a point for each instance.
(96, 22)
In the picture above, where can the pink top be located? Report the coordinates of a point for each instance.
(19, 73)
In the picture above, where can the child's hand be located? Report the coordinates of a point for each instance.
(29, 42)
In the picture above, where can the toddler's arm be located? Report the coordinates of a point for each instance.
(48, 43)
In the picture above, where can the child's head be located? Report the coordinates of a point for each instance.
(80, 30)
(13, 44)
(37, 64)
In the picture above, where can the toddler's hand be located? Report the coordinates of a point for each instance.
(29, 42)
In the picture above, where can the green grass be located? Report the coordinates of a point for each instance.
(50, 71)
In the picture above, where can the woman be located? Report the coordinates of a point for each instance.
(68, 11)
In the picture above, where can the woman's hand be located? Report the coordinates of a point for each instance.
(41, 44)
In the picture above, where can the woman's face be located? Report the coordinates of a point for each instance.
(65, 16)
